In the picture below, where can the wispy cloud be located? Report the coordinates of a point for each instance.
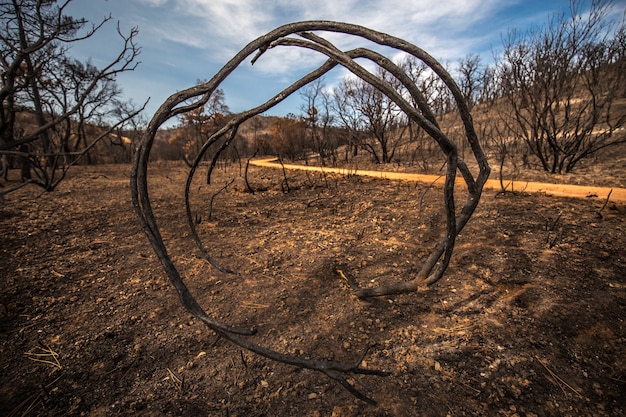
(187, 40)
(153, 3)
(223, 27)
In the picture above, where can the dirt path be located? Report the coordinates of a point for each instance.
(561, 190)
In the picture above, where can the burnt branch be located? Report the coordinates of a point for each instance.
(606, 201)
(300, 34)
(245, 176)
(284, 185)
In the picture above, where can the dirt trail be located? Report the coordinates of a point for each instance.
(561, 190)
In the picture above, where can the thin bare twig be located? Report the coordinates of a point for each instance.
(215, 195)
(284, 187)
(44, 354)
(557, 380)
(31, 402)
(421, 202)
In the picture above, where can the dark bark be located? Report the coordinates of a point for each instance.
(439, 259)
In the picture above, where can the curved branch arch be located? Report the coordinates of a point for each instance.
(434, 266)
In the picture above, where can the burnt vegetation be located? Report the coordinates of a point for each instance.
(553, 101)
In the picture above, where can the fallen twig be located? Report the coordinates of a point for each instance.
(44, 351)
(32, 401)
(215, 194)
(559, 381)
(179, 383)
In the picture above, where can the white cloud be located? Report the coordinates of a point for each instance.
(153, 3)
(223, 27)
(227, 24)
(198, 36)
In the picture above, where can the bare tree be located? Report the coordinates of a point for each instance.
(319, 117)
(349, 120)
(311, 94)
(299, 35)
(375, 114)
(199, 124)
(327, 119)
(289, 137)
(561, 82)
(119, 146)
(435, 91)
(437, 97)
(48, 100)
(470, 76)
(489, 86)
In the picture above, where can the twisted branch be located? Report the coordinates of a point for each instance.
(194, 97)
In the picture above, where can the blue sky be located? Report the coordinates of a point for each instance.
(183, 41)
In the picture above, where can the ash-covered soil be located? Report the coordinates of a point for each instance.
(528, 320)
